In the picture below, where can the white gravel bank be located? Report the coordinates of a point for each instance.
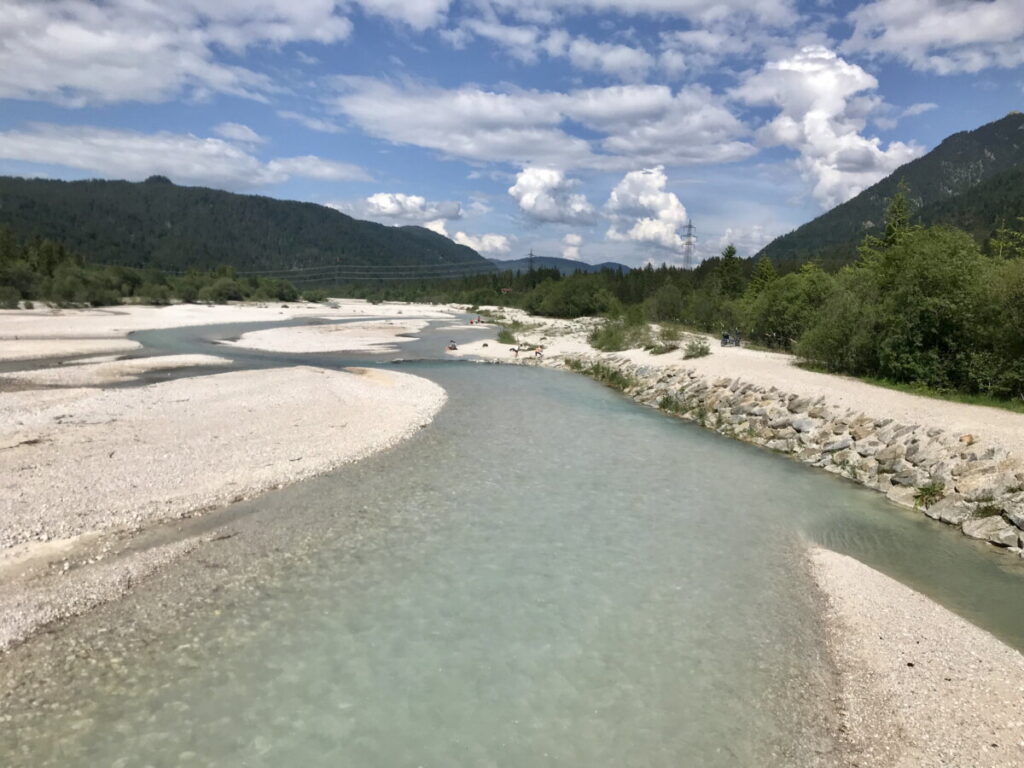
(921, 686)
(94, 460)
(113, 322)
(37, 349)
(82, 469)
(89, 374)
(365, 336)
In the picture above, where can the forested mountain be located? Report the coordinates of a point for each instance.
(158, 224)
(971, 180)
(565, 266)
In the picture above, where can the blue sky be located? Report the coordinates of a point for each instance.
(592, 129)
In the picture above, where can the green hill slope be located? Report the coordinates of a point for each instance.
(565, 266)
(968, 180)
(158, 224)
(981, 210)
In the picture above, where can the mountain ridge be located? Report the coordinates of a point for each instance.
(156, 223)
(565, 266)
(937, 182)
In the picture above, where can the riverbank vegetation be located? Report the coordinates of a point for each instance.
(925, 307)
(922, 306)
(43, 270)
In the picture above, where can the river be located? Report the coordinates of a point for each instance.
(549, 574)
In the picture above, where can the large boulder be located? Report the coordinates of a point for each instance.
(926, 454)
(992, 528)
(862, 429)
(890, 457)
(990, 485)
(868, 447)
(910, 477)
(1014, 510)
(950, 509)
(798, 404)
(804, 424)
(838, 445)
(901, 494)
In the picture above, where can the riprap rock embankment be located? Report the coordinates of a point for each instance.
(956, 478)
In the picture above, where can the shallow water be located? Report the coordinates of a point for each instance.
(548, 575)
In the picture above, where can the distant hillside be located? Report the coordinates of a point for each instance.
(972, 179)
(565, 266)
(994, 203)
(159, 224)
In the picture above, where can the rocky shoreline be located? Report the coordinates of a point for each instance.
(964, 479)
(957, 479)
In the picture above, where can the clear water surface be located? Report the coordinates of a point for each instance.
(549, 574)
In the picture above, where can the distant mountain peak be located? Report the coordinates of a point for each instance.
(981, 161)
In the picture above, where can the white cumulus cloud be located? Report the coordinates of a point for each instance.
(399, 208)
(182, 157)
(773, 12)
(943, 36)
(632, 125)
(238, 132)
(571, 246)
(76, 53)
(643, 211)
(490, 244)
(545, 194)
(822, 111)
(621, 61)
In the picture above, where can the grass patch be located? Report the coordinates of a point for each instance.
(929, 494)
(987, 510)
(661, 349)
(617, 335)
(505, 336)
(672, 404)
(606, 374)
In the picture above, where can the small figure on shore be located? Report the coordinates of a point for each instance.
(451, 345)
(538, 352)
(514, 351)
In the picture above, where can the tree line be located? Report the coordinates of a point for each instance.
(44, 270)
(919, 305)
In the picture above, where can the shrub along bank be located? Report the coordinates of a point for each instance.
(923, 306)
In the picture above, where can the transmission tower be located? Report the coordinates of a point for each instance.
(531, 259)
(689, 245)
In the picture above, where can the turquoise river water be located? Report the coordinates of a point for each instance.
(549, 574)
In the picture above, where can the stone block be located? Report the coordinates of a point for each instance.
(841, 444)
(992, 528)
(804, 424)
(950, 509)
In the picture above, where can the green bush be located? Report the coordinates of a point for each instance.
(624, 333)
(152, 293)
(505, 336)
(221, 290)
(696, 347)
(316, 295)
(9, 297)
